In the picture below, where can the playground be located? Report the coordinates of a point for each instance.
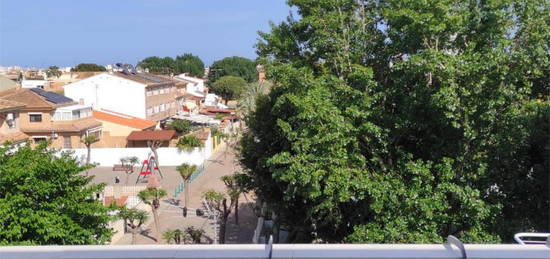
(205, 178)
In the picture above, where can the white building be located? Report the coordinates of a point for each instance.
(195, 86)
(25, 83)
(140, 95)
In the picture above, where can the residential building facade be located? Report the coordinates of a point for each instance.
(53, 117)
(136, 94)
(10, 122)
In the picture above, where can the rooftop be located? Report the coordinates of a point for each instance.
(7, 105)
(151, 135)
(62, 126)
(144, 78)
(35, 98)
(123, 119)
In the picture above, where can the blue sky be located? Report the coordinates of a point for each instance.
(40, 33)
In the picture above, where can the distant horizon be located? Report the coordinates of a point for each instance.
(64, 33)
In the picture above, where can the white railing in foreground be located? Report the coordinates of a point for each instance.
(309, 251)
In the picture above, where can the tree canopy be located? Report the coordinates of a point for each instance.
(404, 121)
(45, 201)
(233, 66)
(88, 67)
(186, 63)
(53, 71)
(229, 87)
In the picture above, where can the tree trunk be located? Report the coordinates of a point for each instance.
(134, 233)
(89, 152)
(237, 211)
(223, 223)
(186, 192)
(156, 219)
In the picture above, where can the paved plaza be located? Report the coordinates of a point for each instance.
(223, 162)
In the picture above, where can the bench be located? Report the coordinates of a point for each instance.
(120, 167)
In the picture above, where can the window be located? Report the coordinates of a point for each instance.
(37, 139)
(155, 92)
(10, 120)
(76, 115)
(162, 107)
(96, 132)
(161, 91)
(35, 117)
(156, 109)
(149, 93)
(67, 142)
(149, 111)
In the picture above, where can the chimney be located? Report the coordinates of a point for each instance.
(261, 72)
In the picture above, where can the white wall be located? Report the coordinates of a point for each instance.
(168, 156)
(33, 83)
(106, 91)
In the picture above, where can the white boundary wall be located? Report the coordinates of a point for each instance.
(168, 156)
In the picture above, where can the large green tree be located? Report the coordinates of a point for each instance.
(186, 63)
(404, 121)
(88, 67)
(229, 87)
(189, 63)
(157, 65)
(44, 200)
(233, 66)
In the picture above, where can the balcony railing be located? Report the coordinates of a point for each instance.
(297, 251)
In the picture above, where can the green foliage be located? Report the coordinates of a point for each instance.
(425, 127)
(189, 142)
(177, 236)
(152, 196)
(229, 87)
(53, 71)
(219, 116)
(135, 218)
(88, 67)
(186, 63)
(181, 126)
(186, 170)
(248, 99)
(233, 66)
(194, 234)
(45, 201)
(214, 199)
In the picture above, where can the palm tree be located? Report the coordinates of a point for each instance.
(176, 235)
(134, 218)
(186, 171)
(247, 102)
(218, 201)
(152, 196)
(194, 234)
(88, 141)
(128, 163)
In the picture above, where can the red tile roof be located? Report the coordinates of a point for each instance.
(152, 135)
(216, 110)
(123, 119)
